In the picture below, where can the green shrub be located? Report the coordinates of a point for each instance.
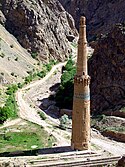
(69, 65)
(64, 95)
(28, 79)
(42, 115)
(9, 110)
(41, 74)
(64, 120)
(122, 109)
(34, 55)
(4, 115)
(53, 62)
(11, 89)
(20, 85)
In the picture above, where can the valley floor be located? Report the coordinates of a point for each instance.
(29, 99)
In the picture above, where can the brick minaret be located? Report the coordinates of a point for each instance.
(81, 100)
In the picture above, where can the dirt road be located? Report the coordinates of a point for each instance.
(29, 113)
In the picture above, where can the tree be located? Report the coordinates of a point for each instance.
(64, 121)
(64, 95)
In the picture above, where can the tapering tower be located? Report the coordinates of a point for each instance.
(81, 99)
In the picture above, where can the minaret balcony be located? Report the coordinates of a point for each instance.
(84, 80)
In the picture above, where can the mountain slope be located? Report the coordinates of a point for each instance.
(41, 26)
(15, 61)
(101, 15)
(107, 71)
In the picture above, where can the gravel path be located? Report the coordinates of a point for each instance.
(111, 146)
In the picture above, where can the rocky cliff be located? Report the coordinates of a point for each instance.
(101, 15)
(41, 26)
(107, 71)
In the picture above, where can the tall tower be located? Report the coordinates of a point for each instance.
(81, 99)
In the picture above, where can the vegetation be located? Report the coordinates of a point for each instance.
(9, 110)
(24, 137)
(42, 115)
(64, 122)
(40, 74)
(74, 44)
(20, 85)
(107, 123)
(122, 109)
(3, 96)
(34, 55)
(64, 96)
(115, 129)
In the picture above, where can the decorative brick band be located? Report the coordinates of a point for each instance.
(85, 96)
(84, 80)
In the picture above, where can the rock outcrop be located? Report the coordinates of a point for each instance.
(100, 14)
(2, 18)
(41, 26)
(107, 71)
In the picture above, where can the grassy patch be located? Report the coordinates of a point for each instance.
(25, 137)
(116, 129)
(74, 44)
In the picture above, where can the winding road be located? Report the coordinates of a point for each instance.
(31, 114)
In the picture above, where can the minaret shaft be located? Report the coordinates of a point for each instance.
(81, 100)
(82, 50)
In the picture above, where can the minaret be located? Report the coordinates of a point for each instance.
(81, 99)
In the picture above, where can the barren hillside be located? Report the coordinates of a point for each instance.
(15, 61)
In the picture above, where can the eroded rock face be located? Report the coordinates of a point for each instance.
(107, 71)
(41, 26)
(2, 18)
(100, 14)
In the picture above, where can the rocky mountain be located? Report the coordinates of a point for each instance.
(101, 15)
(41, 26)
(107, 71)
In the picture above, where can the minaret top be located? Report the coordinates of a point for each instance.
(82, 21)
(82, 49)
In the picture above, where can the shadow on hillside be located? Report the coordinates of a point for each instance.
(48, 104)
(37, 152)
(55, 87)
